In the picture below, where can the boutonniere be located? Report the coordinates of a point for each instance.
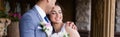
(46, 27)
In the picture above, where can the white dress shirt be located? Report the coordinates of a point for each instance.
(41, 12)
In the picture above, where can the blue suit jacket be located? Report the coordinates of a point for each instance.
(29, 24)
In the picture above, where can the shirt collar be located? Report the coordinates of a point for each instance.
(40, 11)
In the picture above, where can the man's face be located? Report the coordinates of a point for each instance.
(51, 4)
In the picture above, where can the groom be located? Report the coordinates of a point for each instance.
(30, 21)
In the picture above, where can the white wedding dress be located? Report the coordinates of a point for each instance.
(62, 33)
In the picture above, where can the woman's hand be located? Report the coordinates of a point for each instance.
(71, 25)
(71, 28)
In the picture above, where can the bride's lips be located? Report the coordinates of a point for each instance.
(57, 19)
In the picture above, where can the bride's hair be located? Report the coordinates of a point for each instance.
(60, 5)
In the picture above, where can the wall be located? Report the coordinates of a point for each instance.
(118, 16)
(83, 15)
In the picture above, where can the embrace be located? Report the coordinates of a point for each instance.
(45, 20)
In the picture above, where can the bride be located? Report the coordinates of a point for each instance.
(60, 28)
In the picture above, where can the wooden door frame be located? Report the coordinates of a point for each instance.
(103, 18)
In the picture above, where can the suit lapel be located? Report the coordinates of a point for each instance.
(36, 12)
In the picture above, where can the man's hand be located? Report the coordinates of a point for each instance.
(71, 25)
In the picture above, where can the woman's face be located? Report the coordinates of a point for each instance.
(56, 15)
